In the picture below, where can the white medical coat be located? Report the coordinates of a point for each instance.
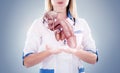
(39, 35)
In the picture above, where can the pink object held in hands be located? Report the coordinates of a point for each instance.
(63, 29)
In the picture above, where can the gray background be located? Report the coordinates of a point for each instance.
(16, 17)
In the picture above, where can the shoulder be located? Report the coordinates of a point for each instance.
(37, 26)
(82, 23)
(37, 23)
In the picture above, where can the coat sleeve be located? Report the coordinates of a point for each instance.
(33, 39)
(88, 42)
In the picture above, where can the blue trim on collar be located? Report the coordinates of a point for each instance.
(69, 15)
(82, 70)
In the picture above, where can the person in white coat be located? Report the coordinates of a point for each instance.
(41, 46)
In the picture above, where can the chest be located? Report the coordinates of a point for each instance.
(48, 37)
(79, 33)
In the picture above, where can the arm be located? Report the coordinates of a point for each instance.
(36, 58)
(86, 56)
(88, 51)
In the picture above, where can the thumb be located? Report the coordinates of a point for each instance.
(47, 47)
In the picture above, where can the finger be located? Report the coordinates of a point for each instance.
(57, 24)
(47, 47)
(62, 35)
(57, 36)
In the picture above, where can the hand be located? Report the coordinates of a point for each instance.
(53, 50)
(72, 50)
